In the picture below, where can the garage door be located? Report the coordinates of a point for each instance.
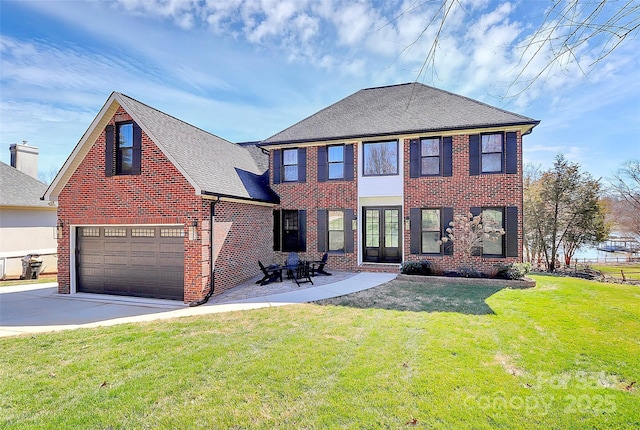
(131, 261)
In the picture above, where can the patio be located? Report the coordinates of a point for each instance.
(250, 289)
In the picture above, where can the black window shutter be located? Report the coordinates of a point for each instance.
(110, 149)
(447, 217)
(322, 230)
(302, 230)
(512, 153)
(302, 164)
(474, 154)
(475, 211)
(323, 169)
(348, 230)
(414, 158)
(348, 162)
(447, 156)
(137, 150)
(277, 164)
(415, 220)
(276, 230)
(511, 229)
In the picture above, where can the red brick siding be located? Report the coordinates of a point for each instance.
(462, 192)
(159, 195)
(313, 195)
(243, 236)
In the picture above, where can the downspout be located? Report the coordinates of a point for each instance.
(211, 259)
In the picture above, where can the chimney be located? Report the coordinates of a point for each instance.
(25, 158)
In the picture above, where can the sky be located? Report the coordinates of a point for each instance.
(246, 69)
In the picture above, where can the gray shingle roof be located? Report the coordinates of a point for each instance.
(396, 109)
(19, 189)
(216, 165)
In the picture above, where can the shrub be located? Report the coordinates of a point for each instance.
(513, 270)
(416, 268)
(470, 272)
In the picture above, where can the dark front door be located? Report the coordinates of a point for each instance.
(382, 242)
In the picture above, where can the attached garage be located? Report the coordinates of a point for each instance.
(141, 261)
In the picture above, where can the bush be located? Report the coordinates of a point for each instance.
(513, 271)
(470, 272)
(416, 268)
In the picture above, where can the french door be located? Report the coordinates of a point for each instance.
(382, 240)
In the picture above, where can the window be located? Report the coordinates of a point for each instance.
(115, 232)
(90, 232)
(493, 222)
(172, 232)
(491, 153)
(430, 156)
(336, 161)
(430, 231)
(336, 231)
(427, 227)
(290, 164)
(123, 149)
(124, 158)
(143, 232)
(380, 158)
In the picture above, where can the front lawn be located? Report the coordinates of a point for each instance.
(631, 271)
(565, 354)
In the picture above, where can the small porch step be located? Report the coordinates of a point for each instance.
(379, 267)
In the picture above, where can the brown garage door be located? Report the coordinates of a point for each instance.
(131, 261)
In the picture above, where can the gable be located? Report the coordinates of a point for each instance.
(208, 162)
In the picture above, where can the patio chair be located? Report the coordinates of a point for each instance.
(321, 263)
(302, 273)
(271, 274)
(291, 264)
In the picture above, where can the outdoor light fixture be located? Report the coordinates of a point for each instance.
(193, 230)
(59, 229)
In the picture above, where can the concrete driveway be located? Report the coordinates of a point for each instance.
(39, 308)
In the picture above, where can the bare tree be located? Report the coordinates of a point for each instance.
(569, 31)
(625, 186)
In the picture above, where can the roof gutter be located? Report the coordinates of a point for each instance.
(394, 133)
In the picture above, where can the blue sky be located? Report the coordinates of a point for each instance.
(245, 70)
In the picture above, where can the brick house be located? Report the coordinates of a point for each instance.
(375, 179)
(151, 206)
(137, 199)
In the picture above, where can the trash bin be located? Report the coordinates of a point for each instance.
(30, 267)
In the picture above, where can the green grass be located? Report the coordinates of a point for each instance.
(631, 271)
(565, 354)
(42, 279)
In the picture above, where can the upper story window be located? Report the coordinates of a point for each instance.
(290, 164)
(123, 149)
(492, 153)
(124, 152)
(335, 162)
(430, 156)
(335, 158)
(380, 158)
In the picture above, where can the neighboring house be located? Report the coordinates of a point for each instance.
(151, 206)
(375, 179)
(137, 199)
(27, 224)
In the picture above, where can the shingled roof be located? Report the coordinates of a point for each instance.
(214, 166)
(20, 189)
(397, 109)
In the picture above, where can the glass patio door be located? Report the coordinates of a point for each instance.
(382, 240)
